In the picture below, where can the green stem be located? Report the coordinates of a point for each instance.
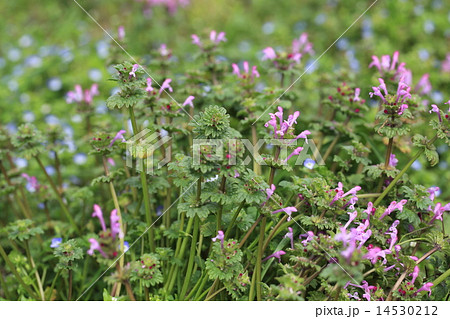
(16, 274)
(187, 279)
(214, 294)
(148, 215)
(410, 240)
(403, 171)
(441, 278)
(33, 266)
(388, 153)
(58, 196)
(233, 219)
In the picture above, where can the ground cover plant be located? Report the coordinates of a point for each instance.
(179, 154)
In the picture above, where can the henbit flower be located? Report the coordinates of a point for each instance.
(119, 136)
(370, 210)
(352, 216)
(375, 253)
(393, 161)
(220, 236)
(96, 246)
(423, 86)
(309, 237)
(393, 233)
(445, 67)
(356, 97)
(56, 242)
(309, 163)
(115, 224)
(99, 214)
(426, 287)
(121, 33)
(216, 38)
(133, 70)
(270, 191)
(414, 274)
(438, 211)
(269, 54)
(295, 152)
(290, 235)
(354, 296)
(363, 237)
(401, 96)
(166, 85)
(111, 162)
(149, 87)
(276, 254)
(436, 110)
(301, 45)
(385, 64)
(287, 210)
(393, 206)
(163, 51)
(433, 190)
(32, 183)
(340, 193)
(365, 286)
(246, 75)
(196, 40)
(188, 101)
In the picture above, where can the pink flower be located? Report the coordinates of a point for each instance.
(352, 217)
(96, 246)
(340, 193)
(309, 237)
(269, 54)
(393, 233)
(133, 70)
(196, 40)
(78, 96)
(438, 211)
(163, 51)
(270, 191)
(121, 33)
(33, 185)
(426, 287)
(149, 85)
(99, 214)
(166, 85)
(385, 65)
(445, 67)
(287, 210)
(357, 92)
(119, 136)
(414, 274)
(290, 235)
(301, 45)
(247, 74)
(115, 224)
(423, 86)
(435, 109)
(276, 254)
(393, 206)
(433, 190)
(188, 101)
(295, 152)
(220, 236)
(393, 161)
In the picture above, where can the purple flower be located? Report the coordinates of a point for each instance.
(393, 161)
(246, 74)
(188, 101)
(78, 96)
(166, 85)
(438, 211)
(121, 33)
(354, 296)
(216, 38)
(365, 286)
(309, 237)
(309, 163)
(393, 206)
(269, 54)
(340, 192)
(433, 190)
(149, 85)
(276, 254)
(270, 191)
(56, 242)
(163, 51)
(423, 86)
(356, 97)
(96, 246)
(301, 45)
(426, 287)
(352, 216)
(99, 214)
(196, 40)
(32, 183)
(414, 274)
(287, 210)
(133, 70)
(385, 64)
(220, 236)
(393, 233)
(375, 253)
(445, 67)
(115, 224)
(295, 152)
(290, 235)
(435, 109)
(119, 136)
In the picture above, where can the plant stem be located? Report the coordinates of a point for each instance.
(259, 258)
(441, 278)
(16, 274)
(256, 166)
(233, 219)
(69, 298)
(187, 279)
(58, 196)
(214, 294)
(403, 171)
(148, 215)
(331, 146)
(250, 231)
(397, 284)
(33, 266)
(219, 213)
(388, 153)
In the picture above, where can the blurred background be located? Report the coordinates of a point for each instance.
(47, 47)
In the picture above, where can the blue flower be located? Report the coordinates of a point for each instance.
(56, 242)
(309, 163)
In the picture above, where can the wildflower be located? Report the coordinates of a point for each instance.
(247, 74)
(277, 119)
(111, 161)
(295, 152)
(352, 215)
(56, 242)
(80, 96)
(423, 86)
(370, 210)
(96, 246)
(414, 274)
(188, 101)
(363, 237)
(270, 191)
(220, 236)
(163, 51)
(126, 246)
(99, 214)
(438, 211)
(340, 193)
(32, 183)
(301, 45)
(166, 85)
(269, 54)
(401, 96)
(309, 237)
(445, 67)
(287, 210)
(393, 206)
(426, 287)
(149, 85)
(309, 163)
(393, 161)
(121, 33)
(115, 224)
(433, 191)
(196, 40)
(375, 253)
(365, 286)
(393, 233)
(290, 235)
(385, 64)
(119, 136)
(354, 296)
(276, 254)
(133, 70)
(216, 38)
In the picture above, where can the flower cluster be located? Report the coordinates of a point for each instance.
(82, 96)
